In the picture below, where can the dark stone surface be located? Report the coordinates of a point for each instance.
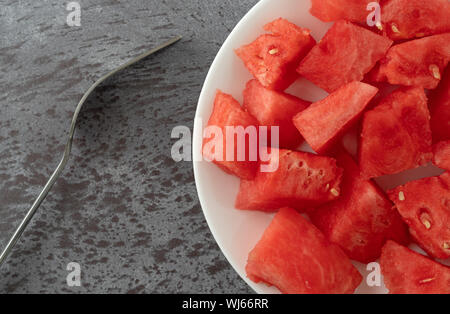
(123, 210)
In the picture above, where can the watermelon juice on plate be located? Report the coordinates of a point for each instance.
(280, 45)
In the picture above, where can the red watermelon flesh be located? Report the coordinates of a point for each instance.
(333, 10)
(408, 272)
(396, 134)
(228, 112)
(425, 206)
(294, 256)
(345, 54)
(440, 110)
(419, 62)
(272, 108)
(375, 76)
(273, 58)
(322, 123)
(441, 156)
(406, 19)
(362, 219)
(301, 180)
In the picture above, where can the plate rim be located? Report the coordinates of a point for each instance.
(196, 144)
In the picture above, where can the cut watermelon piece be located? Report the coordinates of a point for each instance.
(301, 180)
(345, 54)
(440, 110)
(442, 155)
(228, 112)
(419, 62)
(272, 108)
(396, 134)
(406, 19)
(294, 256)
(325, 121)
(273, 58)
(333, 10)
(425, 206)
(408, 272)
(362, 219)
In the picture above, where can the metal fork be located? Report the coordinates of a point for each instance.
(26, 220)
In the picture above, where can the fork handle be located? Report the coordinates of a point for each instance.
(26, 220)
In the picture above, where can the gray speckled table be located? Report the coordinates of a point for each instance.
(123, 210)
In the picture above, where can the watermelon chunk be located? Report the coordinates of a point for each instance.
(419, 62)
(425, 206)
(325, 121)
(362, 219)
(440, 110)
(295, 257)
(441, 156)
(345, 54)
(272, 58)
(228, 112)
(301, 180)
(272, 108)
(396, 134)
(333, 10)
(406, 19)
(408, 272)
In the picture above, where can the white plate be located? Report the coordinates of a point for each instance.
(236, 232)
